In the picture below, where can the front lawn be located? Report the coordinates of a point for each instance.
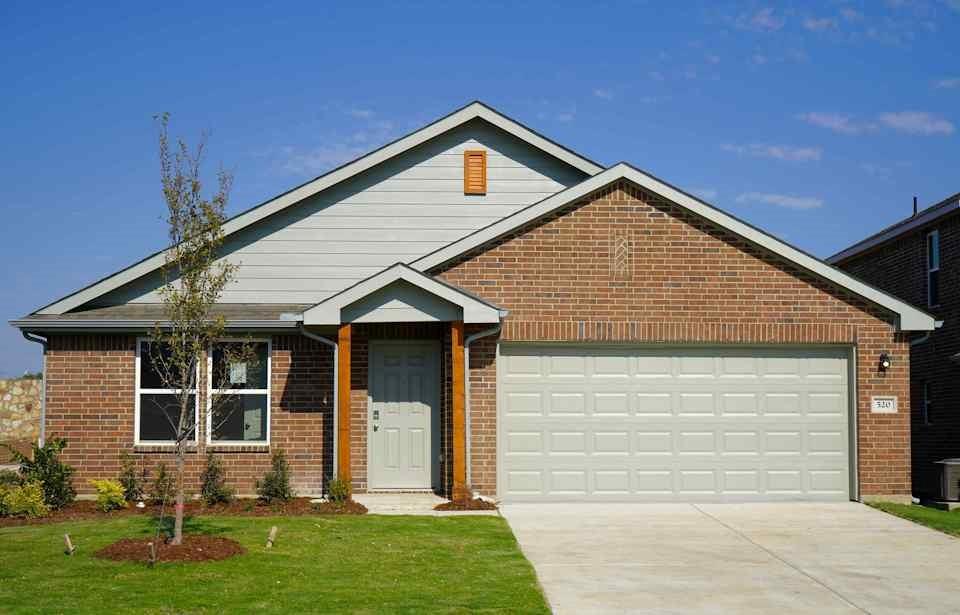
(946, 521)
(320, 564)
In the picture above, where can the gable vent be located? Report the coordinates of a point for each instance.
(475, 172)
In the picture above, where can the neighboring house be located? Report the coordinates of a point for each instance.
(916, 259)
(624, 340)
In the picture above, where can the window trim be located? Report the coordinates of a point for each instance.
(138, 391)
(267, 392)
(934, 234)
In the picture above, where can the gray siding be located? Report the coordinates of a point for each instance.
(396, 212)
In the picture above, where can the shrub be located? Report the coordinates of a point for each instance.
(109, 495)
(213, 486)
(164, 489)
(275, 485)
(26, 500)
(133, 481)
(339, 490)
(45, 467)
(9, 478)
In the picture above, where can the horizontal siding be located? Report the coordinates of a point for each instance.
(397, 211)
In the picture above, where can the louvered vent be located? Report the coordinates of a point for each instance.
(475, 172)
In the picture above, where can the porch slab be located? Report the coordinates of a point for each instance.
(411, 504)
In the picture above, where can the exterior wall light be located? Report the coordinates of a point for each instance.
(884, 361)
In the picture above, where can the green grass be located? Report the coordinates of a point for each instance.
(946, 521)
(370, 564)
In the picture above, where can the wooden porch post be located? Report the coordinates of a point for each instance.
(343, 402)
(460, 488)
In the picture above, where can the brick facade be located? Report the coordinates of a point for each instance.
(90, 401)
(899, 266)
(680, 279)
(619, 266)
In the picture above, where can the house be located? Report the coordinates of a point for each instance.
(913, 260)
(475, 308)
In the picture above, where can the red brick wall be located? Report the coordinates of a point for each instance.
(899, 267)
(90, 401)
(627, 266)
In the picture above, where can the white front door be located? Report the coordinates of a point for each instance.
(403, 415)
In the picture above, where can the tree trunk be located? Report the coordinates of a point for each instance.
(178, 508)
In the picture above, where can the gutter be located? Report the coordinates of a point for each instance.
(336, 409)
(923, 338)
(37, 324)
(32, 337)
(466, 385)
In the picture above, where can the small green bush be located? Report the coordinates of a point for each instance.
(213, 482)
(9, 478)
(109, 495)
(133, 480)
(275, 486)
(339, 490)
(45, 467)
(26, 500)
(163, 489)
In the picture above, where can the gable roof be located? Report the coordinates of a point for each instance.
(475, 310)
(921, 218)
(909, 318)
(472, 111)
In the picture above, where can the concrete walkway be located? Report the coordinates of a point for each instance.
(736, 558)
(411, 504)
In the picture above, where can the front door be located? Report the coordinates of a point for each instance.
(403, 414)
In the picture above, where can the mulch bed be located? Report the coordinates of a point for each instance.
(474, 504)
(85, 510)
(195, 548)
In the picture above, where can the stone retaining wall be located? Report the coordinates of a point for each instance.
(19, 412)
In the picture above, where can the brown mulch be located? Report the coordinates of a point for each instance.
(85, 510)
(195, 548)
(474, 504)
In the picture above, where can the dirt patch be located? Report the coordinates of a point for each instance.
(84, 510)
(195, 548)
(474, 504)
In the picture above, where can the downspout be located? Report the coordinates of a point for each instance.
(332, 345)
(33, 337)
(466, 385)
(923, 338)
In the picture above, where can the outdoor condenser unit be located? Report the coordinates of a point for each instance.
(949, 479)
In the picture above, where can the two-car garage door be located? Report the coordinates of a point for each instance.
(673, 423)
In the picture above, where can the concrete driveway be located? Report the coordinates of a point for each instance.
(736, 558)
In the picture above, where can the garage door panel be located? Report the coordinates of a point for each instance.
(719, 428)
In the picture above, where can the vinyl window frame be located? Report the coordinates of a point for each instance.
(139, 391)
(210, 391)
(932, 257)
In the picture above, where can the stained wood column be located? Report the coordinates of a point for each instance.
(343, 402)
(458, 407)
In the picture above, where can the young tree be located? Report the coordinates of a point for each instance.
(193, 279)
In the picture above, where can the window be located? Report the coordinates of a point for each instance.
(926, 404)
(238, 409)
(475, 171)
(933, 268)
(157, 407)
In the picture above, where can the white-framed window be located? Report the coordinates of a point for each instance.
(926, 404)
(242, 415)
(933, 268)
(157, 407)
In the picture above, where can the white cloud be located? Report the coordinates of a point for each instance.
(819, 24)
(360, 114)
(759, 59)
(949, 83)
(781, 200)
(954, 4)
(837, 122)
(764, 20)
(777, 152)
(917, 123)
(566, 116)
(713, 58)
(851, 14)
(603, 93)
(707, 194)
(319, 160)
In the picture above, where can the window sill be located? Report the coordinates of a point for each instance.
(258, 447)
(162, 448)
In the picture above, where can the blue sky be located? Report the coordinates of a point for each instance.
(815, 121)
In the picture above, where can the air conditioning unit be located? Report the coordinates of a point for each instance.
(949, 479)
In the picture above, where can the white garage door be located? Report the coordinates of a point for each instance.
(673, 424)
